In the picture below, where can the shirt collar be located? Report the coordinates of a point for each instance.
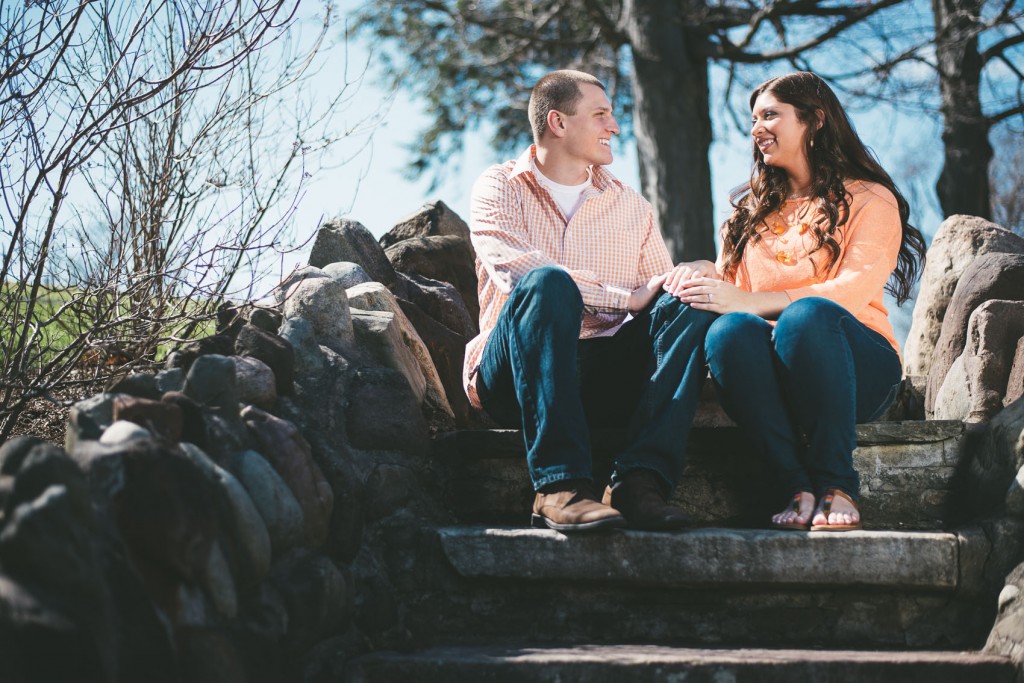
(601, 179)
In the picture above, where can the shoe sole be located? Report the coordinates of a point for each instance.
(542, 522)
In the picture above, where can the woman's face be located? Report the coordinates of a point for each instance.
(778, 133)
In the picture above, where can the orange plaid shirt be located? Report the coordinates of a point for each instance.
(610, 247)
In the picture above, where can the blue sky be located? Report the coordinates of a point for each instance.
(371, 186)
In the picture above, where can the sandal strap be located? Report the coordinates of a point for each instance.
(830, 494)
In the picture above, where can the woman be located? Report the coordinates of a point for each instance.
(812, 242)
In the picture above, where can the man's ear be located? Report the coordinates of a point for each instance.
(556, 123)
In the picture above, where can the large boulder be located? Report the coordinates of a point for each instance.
(324, 304)
(433, 218)
(443, 257)
(959, 241)
(1015, 381)
(995, 457)
(373, 296)
(440, 300)
(272, 349)
(993, 334)
(990, 276)
(378, 334)
(383, 414)
(345, 240)
(290, 455)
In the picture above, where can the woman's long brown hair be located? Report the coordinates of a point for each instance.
(836, 155)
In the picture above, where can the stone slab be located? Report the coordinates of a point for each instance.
(907, 470)
(643, 663)
(712, 557)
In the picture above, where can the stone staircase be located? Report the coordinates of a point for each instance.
(903, 600)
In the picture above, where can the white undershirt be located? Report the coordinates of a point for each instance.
(566, 196)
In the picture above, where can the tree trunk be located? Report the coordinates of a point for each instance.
(963, 185)
(672, 124)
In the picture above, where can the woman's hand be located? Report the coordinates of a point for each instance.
(687, 271)
(718, 296)
(711, 294)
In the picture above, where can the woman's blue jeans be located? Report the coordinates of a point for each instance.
(537, 374)
(798, 390)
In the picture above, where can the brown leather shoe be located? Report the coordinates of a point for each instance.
(574, 508)
(640, 497)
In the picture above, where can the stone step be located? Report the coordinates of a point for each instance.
(908, 475)
(643, 663)
(706, 587)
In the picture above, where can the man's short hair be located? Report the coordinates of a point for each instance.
(560, 91)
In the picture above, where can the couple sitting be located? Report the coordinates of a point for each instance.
(585, 321)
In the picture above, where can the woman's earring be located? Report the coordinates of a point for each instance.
(812, 142)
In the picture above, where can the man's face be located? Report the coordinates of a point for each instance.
(589, 131)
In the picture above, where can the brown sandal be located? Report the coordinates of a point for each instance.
(794, 505)
(826, 508)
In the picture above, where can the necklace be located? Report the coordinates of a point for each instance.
(780, 227)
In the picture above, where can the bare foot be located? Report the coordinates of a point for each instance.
(836, 509)
(798, 514)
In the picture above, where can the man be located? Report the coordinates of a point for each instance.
(564, 252)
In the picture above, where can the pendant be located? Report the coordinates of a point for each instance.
(784, 257)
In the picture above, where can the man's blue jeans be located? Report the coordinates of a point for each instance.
(537, 374)
(814, 377)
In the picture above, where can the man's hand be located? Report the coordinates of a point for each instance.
(641, 297)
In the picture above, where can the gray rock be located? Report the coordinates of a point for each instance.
(990, 276)
(162, 419)
(271, 349)
(14, 452)
(211, 382)
(276, 503)
(959, 240)
(265, 319)
(445, 258)
(219, 584)
(433, 218)
(122, 431)
(378, 333)
(256, 383)
(953, 400)
(309, 358)
(170, 380)
(1007, 635)
(440, 300)
(316, 595)
(374, 296)
(87, 419)
(45, 543)
(166, 513)
(994, 331)
(290, 455)
(383, 413)
(1015, 495)
(346, 240)
(44, 466)
(295, 277)
(325, 305)
(244, 525)
(348, 274)
(139, 384)
(1015, 381)
(104, 468)
(994, 457)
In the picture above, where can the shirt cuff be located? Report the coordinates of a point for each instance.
(619, 297)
